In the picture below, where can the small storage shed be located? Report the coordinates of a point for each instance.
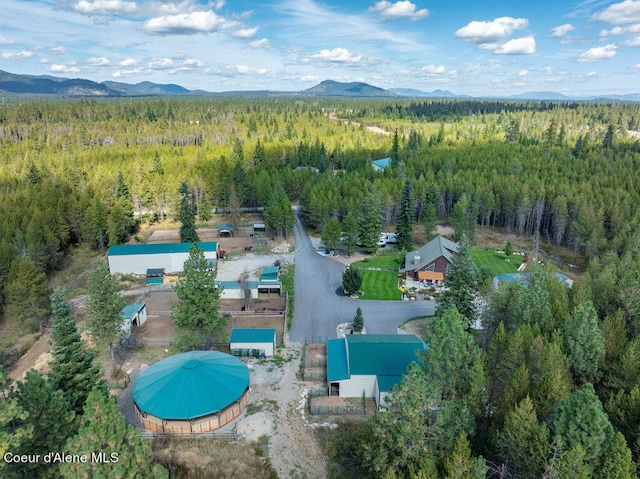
(259, 228)
(134, 316)
(193, 392)
(261, 339)
(226, 230)
(155, 276)
(269, 273)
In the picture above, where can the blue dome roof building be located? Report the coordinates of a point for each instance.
(193, 392)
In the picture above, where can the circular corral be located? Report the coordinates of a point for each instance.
(193, 392)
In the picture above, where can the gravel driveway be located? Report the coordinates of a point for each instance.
(320, 307)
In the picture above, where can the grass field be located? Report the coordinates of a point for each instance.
(380, 285)
(496, 262)
(384, 260)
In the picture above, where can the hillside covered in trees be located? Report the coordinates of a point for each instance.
(85, 173)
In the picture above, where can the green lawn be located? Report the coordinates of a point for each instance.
(380, 285)
(496, 262)
(384, 260)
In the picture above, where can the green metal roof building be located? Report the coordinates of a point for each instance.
(369, 363)
(193, 392)
(138, 258)
(261, 339)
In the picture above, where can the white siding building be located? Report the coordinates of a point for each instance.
(138, 258)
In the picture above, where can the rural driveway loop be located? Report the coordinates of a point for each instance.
(319, 308)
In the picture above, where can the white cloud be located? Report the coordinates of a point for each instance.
(17, 55)
(105, 7)
(5, 41)
(58, 51)
(635, 42)
(523, 73)
(128, 62)
(592, 74)
(69, 67)
(401, 9)
(337, 55)
(432, 69)
(637, 67)
(628, 30)
(562, 30)
(245, 33)
(489, 33)
(598, 53)
(264, 43)
(620, 13)
(193, 63)
(517, 46)
(98, 61)
(188, 24)
(162, 64)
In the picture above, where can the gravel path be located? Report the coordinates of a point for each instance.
(320, 307)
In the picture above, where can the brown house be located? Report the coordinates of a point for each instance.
(430, 262)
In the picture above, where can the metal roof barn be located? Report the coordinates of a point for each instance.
(193, 392)
(138, 258)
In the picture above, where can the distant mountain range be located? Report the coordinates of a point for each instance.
(11, 83)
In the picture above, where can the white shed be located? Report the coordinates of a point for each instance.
(134, 316)
(262, 339)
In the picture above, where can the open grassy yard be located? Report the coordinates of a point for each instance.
(380, 285)
(384, 260)
(496, 262)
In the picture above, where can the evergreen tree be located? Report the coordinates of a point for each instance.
(26, 294)
(618, 463)
(195, 314)
(48, 416)
(370, 224)
(120, 221)
(584, 344)
(430, 221)
(460, 464)
(13, 429)
(95, 225)
(103, 430)
(570, 465)
(581, 421)
(523, 442)
(358, 320)
(71, 369)
(278, 214)
(452, 357)
(395, 150)
(331, 234)
(188, 230)
(240, 183)
(508, 249)
(460, 282)
(608, 137)
(122, 190)
(103, 308)
(259, 156)
(351, 281)
(350, 234)
(404, 222)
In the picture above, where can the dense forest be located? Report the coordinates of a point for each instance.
(89, 172)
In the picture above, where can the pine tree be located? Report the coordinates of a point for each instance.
(581, 421)
(358, 320)
(259, 156)
(430, 221)
(122, 190)
(395, 150)
(351, 281)
(570, 465)
(460, 282)
(188, 230)
(524, 442)
(584, 344)
(103, 308)
(404, 222)
(49, 417)
(331, 234)
(26, 294)
(195, 314)
(618, 463)
(71, 369)
(370, 224)
(350, 234)
(103, 430)
(13, 429)
(460, 464)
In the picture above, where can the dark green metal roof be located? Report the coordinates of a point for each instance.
(253, 335)
(190, 385)
(382, 354)
(435, 248)
(269, 273)
(131, 309)
(385, 383)
(337, 364)
(225, 227)
(159, 248)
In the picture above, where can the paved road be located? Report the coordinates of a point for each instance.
(319, 306)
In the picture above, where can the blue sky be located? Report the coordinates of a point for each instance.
(477, 48)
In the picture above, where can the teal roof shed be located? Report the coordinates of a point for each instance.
(270, 273)
(190, 385)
